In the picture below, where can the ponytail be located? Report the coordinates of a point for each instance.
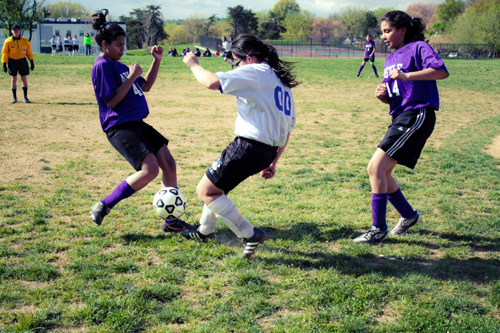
(247, 44)
(414, 26)
(105, 31)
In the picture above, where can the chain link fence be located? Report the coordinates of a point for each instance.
(339, 48)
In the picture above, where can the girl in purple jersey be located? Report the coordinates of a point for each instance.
(409, 87)
(369, 55)
(119, 92)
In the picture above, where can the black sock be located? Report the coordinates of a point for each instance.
(14, 92)
(25, 90)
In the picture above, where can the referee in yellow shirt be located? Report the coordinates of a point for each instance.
(15, 50)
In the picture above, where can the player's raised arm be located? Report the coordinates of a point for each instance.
(150, 77)
(203, 76)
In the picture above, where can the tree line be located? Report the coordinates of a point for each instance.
(452, 21)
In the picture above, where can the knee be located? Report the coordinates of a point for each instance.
(372, 169)
(201, 192)
(151, 173)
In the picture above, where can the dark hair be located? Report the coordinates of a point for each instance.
(247, 44)
(414, 26)
(105, 31)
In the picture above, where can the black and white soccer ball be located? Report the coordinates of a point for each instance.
(169, 203)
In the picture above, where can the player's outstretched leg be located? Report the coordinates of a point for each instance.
(98, 211)
(372, 236)
(176, 225)
(406, 223)
(250, 244)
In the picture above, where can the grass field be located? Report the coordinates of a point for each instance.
(60, 272)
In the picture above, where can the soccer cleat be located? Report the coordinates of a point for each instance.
(376, 76)
(372, 236)
(14, 100)
(406, 223)
(176, 225)
(250, 244)
(195, 235)
(98, 211)
(26, 100)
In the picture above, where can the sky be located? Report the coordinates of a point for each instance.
(181, 9)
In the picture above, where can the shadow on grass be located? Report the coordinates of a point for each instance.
(65, 103)
(475, 269)
(131, 238)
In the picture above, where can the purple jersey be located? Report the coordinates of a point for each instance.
(412, 95)
(369, 47)
(107, 76)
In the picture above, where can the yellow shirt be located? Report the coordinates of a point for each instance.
(16, 49)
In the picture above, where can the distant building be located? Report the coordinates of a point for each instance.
(63, 26)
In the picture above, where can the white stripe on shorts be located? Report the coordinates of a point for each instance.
(409, 132)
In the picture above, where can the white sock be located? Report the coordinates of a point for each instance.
(226, 211)
(208, 221)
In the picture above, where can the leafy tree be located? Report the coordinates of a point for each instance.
(298, 25)
(481, 6)
(177, 34)
(283, 8)
(490, 26)
(11, 12)
(67, 9)
(145, 27)
(422, 10)
(26, 13)
(358, 22)
(271, 27)
(195, 26)
(322, 29)
(242, 20)
(380, 11)
(449, 10)
(464, 29)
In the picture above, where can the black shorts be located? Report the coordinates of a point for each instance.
(53, 47)
(406, 136)
(241, 159)
(18, 66)
(229, 55)
(60, 48)
(134, 140)
(76, 47)
(372, 59)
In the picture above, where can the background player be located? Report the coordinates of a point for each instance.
(14, 52)
(410, 88)
(119, 92)
(369, 55)
(266, 115)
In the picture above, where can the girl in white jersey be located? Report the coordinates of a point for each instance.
(266, 115)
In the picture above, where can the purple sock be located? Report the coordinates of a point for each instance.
(379, 208)
(360, 69)
(398, 200)
(121, 192)
(375, 70)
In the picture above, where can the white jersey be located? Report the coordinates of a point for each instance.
(266, 109)
(75, 41)
(226, 46)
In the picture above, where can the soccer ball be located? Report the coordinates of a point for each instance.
(169, 203)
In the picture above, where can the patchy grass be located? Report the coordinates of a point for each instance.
(60, 272)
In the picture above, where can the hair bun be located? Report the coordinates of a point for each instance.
(99, 19)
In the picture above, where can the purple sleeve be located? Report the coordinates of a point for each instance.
(106, 83)
(429, 58)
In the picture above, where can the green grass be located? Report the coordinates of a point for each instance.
(59, 272)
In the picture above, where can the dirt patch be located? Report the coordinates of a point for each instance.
(494, 148)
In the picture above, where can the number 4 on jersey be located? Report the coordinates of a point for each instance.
(395, 89)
